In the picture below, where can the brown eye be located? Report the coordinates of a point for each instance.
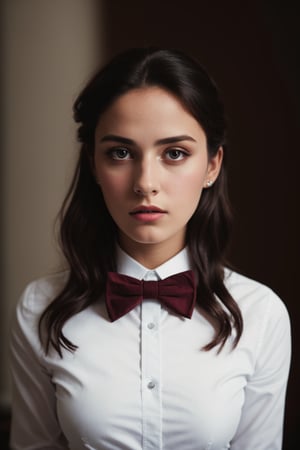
(175, 154)
(119, 153)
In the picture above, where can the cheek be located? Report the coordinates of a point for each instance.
(189, 185)
(112, 184)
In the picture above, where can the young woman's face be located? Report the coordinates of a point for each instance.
(151, 163)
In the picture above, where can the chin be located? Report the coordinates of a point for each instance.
(145, 238)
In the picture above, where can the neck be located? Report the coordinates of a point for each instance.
(150, 255)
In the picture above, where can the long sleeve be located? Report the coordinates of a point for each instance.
(34, 422)
(261, 423)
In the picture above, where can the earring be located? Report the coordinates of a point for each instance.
(209, 183)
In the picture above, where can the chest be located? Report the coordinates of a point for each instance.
(145, 383)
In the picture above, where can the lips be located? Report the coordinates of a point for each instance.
(147, 214)
(146, 210)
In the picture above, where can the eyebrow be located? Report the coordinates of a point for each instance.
(168, 140)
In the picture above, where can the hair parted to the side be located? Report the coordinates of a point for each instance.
(88, 233)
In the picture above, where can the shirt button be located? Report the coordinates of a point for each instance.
(151, 325)
(151, 385)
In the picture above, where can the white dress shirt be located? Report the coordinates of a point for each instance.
(143, 382)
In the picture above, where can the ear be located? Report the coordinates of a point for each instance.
(213, 168)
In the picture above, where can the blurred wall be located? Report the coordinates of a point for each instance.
(49, 49)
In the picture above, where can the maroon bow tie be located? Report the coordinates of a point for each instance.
(124, 293)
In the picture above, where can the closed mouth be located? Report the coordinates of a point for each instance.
(147, 210)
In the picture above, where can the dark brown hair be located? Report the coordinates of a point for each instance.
(88, 233)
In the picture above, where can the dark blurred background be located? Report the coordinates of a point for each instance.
(252, 50)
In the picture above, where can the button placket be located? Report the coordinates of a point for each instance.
(151, 377)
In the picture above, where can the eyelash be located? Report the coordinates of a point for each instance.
(113, 154)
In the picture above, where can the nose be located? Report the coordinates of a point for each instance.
(146, 180)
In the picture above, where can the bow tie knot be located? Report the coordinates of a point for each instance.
(124, 293)
(150, 289)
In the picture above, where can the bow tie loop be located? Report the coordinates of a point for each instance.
(123, 293)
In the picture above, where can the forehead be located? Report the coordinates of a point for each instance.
(151, 108)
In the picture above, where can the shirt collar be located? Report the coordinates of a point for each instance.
(128, 266)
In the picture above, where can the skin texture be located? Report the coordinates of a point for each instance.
(137, 164)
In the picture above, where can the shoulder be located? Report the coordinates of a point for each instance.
(267, 328)
(24, 332)
(253, 297)
(40, 293)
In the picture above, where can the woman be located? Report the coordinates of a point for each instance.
(103, 360)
